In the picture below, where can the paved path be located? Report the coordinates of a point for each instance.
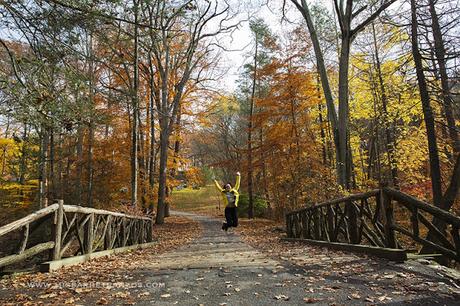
(220, 269)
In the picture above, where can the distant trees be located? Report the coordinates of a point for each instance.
(358, 96)
(364, 71)
(105, 80)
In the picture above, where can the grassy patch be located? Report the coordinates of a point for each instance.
(204, 200)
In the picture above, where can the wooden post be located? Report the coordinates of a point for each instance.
(141, 238)
(294, 225)
(108, 234)
(388, 221)
(317, 228)
(352, 222)
(58, 230)
(330, 222)
(288, 226)
(89, 234)
(304, 219)
(150, 230)
(415, 228)
(456, 238)
(123, 232)
(25, 238)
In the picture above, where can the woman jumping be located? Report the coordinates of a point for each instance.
(230, 196)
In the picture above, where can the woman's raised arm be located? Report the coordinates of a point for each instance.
(218, 186)
(238, 181)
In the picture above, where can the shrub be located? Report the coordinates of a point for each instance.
(260, 206)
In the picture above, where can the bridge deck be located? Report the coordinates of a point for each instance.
(219, 268)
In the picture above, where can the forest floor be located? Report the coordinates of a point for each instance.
(196, 263)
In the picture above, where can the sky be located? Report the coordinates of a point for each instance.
(241, 39)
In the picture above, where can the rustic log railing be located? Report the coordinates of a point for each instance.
(384, 218)
(66, 231)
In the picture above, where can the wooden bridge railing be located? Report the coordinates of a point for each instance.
(383, 218)
(65, 231)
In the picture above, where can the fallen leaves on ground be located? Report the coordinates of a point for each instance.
(281, 297)
(356, 277)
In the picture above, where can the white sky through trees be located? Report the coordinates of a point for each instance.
(240, 45)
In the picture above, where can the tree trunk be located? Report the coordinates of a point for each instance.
(250, 125)
(52, 175)
(152, 153)
(322, 71)
(59, 187)
(24, 148)
(4, 148)
(164, 144)
(89, 164)
(440, 52)
(141, 161)
(42, 168)
(445, 202)
(435, 171)
(135, 102)
(321, 123)
(79, 188)
(345, 155)
(390, 142)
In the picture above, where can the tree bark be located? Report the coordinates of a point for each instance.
(435, 171)
(322, 71)
(250, 126)
(42, 167)
(339, 123)
(52, 175)
(164, 144)
(344, 154)
(89, 165)
(440, 52)
(24, 149)
(135, 105)
(390, 141)
(91, 90)
(4, 149)
(79, 189)
(321, 121)
(152, 153)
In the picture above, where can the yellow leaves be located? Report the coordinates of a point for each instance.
(194, 176)
(412, 155)
(228, 104)
(9, 145)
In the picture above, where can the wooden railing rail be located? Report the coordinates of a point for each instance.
(66, 231)
(379, 218)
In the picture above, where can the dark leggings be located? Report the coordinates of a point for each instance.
(231, 217)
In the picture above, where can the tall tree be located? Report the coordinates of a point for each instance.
(259, 30)
(441, 58)
(179, 51)
(135, 106)
(347, 14)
